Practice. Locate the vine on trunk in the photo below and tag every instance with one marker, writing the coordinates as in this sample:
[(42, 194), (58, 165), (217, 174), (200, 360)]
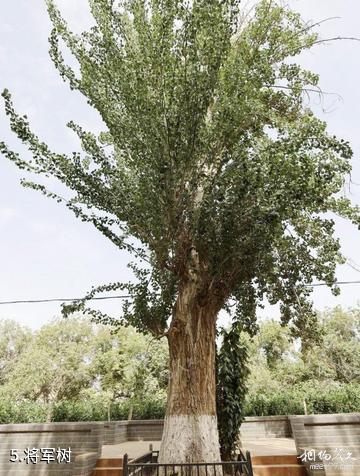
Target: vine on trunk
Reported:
[(231, 387)]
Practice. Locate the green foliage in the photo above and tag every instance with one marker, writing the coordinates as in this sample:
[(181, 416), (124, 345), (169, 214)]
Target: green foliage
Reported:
[(80, 411), (78, 361), (281, 402), (55, 365), (151, 407), (13, 341), (210, 166), (21, 412), (146, 408), (326, 374), (129, 373), (343, 398), (231, 387), (128, 364), (340, 352), (274, 340)]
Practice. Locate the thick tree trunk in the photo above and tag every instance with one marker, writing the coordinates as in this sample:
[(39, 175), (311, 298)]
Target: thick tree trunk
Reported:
[(190, 430)]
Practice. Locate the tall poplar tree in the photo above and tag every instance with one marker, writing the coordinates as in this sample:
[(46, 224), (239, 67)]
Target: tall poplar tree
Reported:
[(211, 170)]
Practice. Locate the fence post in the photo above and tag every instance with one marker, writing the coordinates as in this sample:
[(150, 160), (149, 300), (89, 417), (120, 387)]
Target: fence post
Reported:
[(125, 465), (305, 407), (249, 463), (239, 458)]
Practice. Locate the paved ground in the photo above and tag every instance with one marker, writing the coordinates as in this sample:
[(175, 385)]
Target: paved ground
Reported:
[(132, 448), (258, 447), (269, 446)]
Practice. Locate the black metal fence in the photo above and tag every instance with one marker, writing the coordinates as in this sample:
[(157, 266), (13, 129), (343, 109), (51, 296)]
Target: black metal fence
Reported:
[(147, 465)]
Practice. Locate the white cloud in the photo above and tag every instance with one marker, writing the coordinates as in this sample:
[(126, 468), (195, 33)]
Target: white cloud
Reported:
[(6, 214), (6, 28)]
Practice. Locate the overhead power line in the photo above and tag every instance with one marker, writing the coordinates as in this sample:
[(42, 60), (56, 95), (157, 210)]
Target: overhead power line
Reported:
[(127, 296), (314, 285), (35, 301)]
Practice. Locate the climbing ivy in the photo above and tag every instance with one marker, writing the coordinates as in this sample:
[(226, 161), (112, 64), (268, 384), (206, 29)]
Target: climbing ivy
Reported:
[(231, 371)]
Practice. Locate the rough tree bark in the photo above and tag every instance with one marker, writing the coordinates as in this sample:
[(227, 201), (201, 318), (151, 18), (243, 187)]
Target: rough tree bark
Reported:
[(190, 429)]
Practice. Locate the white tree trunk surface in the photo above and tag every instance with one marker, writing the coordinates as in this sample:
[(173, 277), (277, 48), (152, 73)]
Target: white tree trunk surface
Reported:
[(190, 439)]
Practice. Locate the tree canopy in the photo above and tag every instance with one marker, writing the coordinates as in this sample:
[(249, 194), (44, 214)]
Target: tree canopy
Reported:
[(210, 167)]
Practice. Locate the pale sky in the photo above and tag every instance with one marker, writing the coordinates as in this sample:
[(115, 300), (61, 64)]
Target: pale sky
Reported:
[(45, 251)]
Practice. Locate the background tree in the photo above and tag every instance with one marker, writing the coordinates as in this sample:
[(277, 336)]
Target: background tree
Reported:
[(13, 341), (75, 359), (274, 341), (210, 170), (129, 365), (337, 357), (128, 370), (55, 365), (333, 361)]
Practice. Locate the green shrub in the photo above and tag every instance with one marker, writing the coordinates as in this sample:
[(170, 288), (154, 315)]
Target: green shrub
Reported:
[(343, 399), (79, 411), (319, 398), (23, 412), (284, 403)]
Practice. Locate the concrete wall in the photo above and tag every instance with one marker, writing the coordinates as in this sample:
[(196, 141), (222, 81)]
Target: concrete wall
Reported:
[(338, 435), (252, 427), (145, 430), (265, 427), (84, 439), (115, 432)]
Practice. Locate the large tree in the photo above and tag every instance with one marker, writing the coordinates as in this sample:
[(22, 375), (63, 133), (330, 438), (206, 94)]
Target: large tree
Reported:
[(211, 171)]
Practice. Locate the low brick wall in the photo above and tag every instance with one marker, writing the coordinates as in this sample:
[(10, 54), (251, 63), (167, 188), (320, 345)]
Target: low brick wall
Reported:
[(84, 440)]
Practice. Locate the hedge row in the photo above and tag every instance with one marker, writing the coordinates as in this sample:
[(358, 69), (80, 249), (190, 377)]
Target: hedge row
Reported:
[(30, 412), (318, 399), (342, 399)]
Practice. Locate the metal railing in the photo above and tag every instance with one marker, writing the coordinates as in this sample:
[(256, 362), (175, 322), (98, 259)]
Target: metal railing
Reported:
[(147, 465), (247, 459)]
